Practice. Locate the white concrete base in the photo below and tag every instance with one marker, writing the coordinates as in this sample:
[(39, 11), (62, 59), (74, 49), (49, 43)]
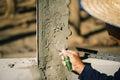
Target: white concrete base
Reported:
[(104, 66), (15, 74), (19, 69), (26, 68)]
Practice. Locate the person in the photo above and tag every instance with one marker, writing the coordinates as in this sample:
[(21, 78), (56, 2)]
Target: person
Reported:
[(107, 11), (86, 72)]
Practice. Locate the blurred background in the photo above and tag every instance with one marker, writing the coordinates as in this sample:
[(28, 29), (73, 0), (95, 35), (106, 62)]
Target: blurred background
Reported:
[(17, 28), (93, 35), (18, 31)]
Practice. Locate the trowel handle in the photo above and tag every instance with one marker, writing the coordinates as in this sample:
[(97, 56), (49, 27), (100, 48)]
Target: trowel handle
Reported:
[(68, 63)]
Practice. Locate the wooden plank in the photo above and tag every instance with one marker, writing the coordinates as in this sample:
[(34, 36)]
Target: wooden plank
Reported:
[(17, 19), (18, 55), (17, 31), (18, 3)]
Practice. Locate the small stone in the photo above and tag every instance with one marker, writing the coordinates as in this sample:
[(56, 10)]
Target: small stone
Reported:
[(11, 65)]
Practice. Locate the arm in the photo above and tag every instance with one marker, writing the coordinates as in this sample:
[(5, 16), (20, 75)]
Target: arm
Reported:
[(86, 72), (89, 73)]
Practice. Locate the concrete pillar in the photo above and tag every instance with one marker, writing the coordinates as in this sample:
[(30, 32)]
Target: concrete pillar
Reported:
[(52, 32)]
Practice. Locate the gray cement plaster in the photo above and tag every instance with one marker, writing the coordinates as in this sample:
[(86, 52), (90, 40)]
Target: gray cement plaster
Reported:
[(52, 38)]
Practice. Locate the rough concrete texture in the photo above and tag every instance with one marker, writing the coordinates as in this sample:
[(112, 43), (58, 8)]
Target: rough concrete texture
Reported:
[(19, 69), (52, 34)]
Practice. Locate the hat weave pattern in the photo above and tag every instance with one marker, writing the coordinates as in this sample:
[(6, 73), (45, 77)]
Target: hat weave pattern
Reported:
[(105, 10)]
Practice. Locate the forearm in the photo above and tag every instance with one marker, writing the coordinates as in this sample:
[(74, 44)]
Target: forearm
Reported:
[(90, 74)]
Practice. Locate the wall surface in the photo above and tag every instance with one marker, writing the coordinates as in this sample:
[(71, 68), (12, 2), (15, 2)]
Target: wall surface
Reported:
[(52, 34)]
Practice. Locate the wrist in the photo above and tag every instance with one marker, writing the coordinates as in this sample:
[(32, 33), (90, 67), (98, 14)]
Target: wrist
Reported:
[(80, 68)]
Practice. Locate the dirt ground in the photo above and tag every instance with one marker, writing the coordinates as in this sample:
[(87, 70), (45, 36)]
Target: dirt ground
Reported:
[(18, 30)]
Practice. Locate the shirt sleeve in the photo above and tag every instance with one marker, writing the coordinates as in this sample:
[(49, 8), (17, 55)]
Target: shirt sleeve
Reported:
[(89, 73)]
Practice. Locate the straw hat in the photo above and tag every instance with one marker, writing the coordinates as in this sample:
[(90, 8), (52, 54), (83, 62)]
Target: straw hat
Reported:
[(105, 10)]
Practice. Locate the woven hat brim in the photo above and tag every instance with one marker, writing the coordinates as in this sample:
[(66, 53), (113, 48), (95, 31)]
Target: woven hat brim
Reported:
[(105, 10)]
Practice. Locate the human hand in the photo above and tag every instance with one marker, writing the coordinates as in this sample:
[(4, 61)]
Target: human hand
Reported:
[(77, 64)]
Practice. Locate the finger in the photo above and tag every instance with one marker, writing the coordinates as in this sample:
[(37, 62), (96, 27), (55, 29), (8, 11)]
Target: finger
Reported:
[(62, 57), (66, 53), (60, 54), (63, 62), (73, 52)]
